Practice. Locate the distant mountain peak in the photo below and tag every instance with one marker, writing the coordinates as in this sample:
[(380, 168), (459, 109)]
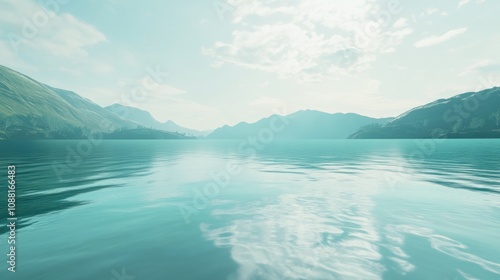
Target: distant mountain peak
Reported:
[(303, 124), (145, 119)]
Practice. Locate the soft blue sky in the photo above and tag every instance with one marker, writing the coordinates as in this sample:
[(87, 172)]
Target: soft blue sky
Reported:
[(241, 60)]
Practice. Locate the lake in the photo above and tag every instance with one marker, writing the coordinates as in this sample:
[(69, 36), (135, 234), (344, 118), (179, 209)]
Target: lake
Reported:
[(199, 209)]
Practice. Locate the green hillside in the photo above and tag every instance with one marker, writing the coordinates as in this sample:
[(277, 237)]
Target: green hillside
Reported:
[(32, 110), (467, 115)]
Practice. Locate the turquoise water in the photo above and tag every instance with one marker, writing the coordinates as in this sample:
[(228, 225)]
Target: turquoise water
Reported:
[(343, 209)]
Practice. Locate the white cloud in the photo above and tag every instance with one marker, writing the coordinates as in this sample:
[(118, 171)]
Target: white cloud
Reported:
[(471, 68), (482, 67), (68, 37), (400, 23), (462, 3), (432, 11), (8, 13), (315, 39), (50, 31), (434, 40), (465, 2)]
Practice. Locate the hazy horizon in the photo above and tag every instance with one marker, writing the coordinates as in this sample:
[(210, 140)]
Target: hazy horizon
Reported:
[(282, 113), (225, 62)]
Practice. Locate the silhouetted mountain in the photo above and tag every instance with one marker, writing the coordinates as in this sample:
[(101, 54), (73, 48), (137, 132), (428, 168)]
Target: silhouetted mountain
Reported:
[(307, 124), (145, 119), (467, 115)]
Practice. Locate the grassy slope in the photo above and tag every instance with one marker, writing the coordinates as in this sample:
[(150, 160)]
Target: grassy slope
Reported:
[(21, 95), (31, 109), (467, 115)]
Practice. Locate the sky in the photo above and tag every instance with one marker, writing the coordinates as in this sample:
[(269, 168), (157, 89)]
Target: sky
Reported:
[(206, 63)]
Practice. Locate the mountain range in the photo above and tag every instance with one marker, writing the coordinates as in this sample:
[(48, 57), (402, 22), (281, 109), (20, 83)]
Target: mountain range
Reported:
[(32, 110), (305, 124), (145, 119)]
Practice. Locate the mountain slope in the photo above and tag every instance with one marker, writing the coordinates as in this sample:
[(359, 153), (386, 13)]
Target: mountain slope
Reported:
[(467, 115), (145, 119), (30, 109), (306, 124)]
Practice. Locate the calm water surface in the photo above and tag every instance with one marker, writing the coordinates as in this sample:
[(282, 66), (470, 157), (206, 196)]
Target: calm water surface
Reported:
[(358, 209)]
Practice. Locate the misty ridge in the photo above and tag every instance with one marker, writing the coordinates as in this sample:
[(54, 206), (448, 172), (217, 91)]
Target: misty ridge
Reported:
[(32, 110)]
